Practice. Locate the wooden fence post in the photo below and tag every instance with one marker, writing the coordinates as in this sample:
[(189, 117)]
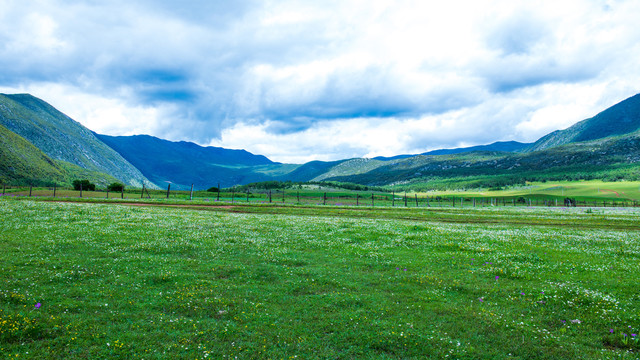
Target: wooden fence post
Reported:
[(107, 193), (393, 198), (405, 199), (324, 199), (191, 194), (122, 192), (298, 195), (168, 190), (218, 199), (416, 200), (269, 196), (31, 187), (54, 190), (357, 199), (80, 190), (142, 193)]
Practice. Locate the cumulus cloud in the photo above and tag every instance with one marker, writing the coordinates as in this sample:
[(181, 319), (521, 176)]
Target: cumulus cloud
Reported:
[(324, 80)]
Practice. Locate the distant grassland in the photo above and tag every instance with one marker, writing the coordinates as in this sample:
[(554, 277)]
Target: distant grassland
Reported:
[(593, 189), (621, 193), (116, 281)]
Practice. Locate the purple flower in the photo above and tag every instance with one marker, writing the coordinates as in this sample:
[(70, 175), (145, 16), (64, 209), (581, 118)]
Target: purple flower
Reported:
[(563, 321), (521, 293), (611, 331), (481, 299), (38, 305), (497, 277), (397, 268), (404, 269), (634, 335)]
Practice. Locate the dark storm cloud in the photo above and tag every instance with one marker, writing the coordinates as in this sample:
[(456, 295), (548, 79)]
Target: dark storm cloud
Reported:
[(197, 69)]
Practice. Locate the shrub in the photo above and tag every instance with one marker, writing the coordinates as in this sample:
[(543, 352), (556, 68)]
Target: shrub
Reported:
[(84, 185), (115, 187)]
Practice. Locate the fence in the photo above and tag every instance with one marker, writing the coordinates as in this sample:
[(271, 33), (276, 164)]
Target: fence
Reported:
[(335, 198)]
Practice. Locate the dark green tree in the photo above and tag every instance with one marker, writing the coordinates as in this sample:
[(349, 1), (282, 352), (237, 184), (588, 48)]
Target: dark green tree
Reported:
[(85, 185)]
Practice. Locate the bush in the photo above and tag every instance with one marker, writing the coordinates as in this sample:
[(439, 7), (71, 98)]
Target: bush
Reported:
[(115, 187), (213, 189), (84, 185)]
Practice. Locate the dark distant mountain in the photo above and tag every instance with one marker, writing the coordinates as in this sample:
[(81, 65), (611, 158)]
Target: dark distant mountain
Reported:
[(610, 158), (505, 146), (620, 119), (41, 144), (184, 163), (62, 138)]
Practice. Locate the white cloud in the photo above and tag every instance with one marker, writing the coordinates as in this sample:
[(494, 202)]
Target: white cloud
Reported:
[(324, 80)]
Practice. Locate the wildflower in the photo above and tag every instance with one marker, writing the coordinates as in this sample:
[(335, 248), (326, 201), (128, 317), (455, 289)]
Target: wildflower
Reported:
[(634, 335), (497, 277), (481, 299), (522, 293), (611, 331), (576, 321), (38, 306)]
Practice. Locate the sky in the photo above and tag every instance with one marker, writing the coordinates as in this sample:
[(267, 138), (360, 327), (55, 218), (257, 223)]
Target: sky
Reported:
[(323, 80)]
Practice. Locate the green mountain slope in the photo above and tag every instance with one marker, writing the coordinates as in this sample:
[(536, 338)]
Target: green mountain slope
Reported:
[(61, 138), (506, 146), (622, 118), (21, 163), (185, 163), (611, 158)]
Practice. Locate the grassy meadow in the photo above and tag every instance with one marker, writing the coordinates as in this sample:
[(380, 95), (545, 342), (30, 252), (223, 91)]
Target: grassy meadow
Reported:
[(260, 281), (587, 193)]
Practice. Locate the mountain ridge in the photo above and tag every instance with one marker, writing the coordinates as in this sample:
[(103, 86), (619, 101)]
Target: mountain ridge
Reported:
[(619, 119), (62, 138), (595, 145)]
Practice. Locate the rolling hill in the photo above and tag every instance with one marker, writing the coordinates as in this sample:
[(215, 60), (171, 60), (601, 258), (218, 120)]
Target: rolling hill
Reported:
[(61, 138), (506, 146), (184, 163), (606, 146), (21, 163), (620, 119)]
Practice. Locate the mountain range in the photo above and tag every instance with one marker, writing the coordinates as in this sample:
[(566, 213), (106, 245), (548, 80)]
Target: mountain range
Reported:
[(41, 145)]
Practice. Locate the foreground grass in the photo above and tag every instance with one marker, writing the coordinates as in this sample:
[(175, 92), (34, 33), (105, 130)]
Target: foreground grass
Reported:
[(151, 282)]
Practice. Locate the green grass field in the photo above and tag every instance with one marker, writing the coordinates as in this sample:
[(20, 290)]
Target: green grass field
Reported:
[(580, 189), (588, 193), (90, 280)]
